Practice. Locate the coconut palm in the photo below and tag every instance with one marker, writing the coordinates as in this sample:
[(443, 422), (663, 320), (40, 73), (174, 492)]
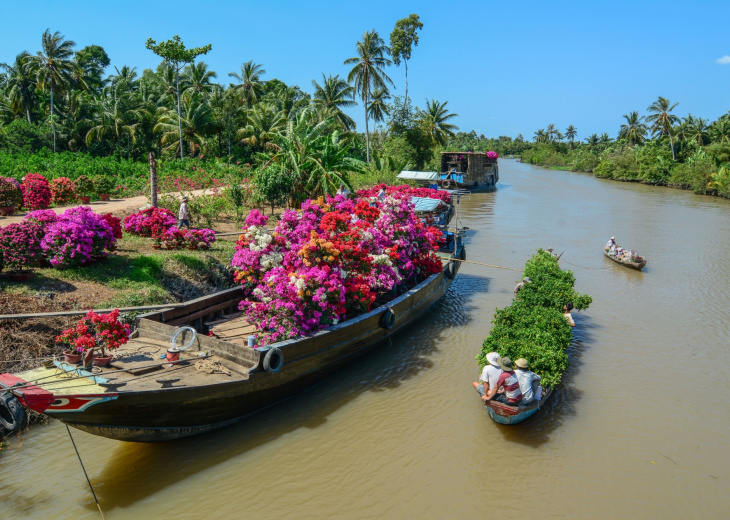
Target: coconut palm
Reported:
[(570, 134), (111, 118), (332, 95), (592, 140), (434, 122), (198, 77), (661, 120), (698, 131), (368, 72), (125, 79), (21, 82), (251, 85), (551, 132), (540, 136), (634, 130), (720, 130), (54, 67), (195, 120), (378, 107), (605, 139), (265, 124)]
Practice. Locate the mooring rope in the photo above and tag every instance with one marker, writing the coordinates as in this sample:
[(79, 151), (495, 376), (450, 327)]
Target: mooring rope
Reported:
[(583, 267), (85, 474), (486, 265)]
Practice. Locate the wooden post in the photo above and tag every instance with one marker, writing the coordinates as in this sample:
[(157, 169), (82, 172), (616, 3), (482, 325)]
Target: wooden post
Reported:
[(153, 179)]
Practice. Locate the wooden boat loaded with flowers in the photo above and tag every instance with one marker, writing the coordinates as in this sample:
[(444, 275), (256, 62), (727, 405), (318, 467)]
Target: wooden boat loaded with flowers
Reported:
[(629, 259), (332, 282)]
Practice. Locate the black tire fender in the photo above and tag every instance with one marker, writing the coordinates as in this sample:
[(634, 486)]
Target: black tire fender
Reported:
[(446, 183), (451, 269), (388, 319), (273, 360), (12, 413)]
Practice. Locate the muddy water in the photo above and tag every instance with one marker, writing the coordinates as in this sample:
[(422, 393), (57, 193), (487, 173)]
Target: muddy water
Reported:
[(638, 429)]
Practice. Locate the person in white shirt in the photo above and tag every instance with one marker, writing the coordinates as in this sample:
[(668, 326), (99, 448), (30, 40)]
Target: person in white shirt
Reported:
[(529, 382), (343, 191), (381, 194), (569, 317), (490, 375), (611, 243), (183, 216)]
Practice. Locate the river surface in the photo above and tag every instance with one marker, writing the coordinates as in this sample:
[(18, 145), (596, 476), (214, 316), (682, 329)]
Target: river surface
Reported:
[(638, 429)]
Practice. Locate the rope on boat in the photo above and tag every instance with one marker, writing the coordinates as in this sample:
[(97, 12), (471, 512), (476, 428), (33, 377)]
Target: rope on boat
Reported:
[(486, 265), (583, 267), (85, 474)]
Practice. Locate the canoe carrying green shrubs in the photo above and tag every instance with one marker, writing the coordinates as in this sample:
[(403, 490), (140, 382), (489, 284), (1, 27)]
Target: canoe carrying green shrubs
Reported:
[(533, 327)]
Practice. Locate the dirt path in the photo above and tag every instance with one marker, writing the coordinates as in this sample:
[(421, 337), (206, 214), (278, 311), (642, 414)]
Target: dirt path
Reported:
[(111, 206)]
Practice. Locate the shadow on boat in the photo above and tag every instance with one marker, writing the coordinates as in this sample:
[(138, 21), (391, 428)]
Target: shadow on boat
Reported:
[(135, 471), (562, 405)]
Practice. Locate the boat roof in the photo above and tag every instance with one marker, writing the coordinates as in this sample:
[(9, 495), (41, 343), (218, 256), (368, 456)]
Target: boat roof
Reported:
[(424, 204), (418, 176)]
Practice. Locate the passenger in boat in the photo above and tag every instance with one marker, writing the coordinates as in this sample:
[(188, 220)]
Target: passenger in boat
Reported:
[(529, 382), (343, 191), (611, 243), (520, 285), (490, 376), (507, 390), (567, 308)]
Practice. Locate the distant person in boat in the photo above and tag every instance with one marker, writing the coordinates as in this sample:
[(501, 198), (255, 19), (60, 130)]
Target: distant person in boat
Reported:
[(507, 390), (343, 191), (490, 376), (183, 216), (567, 308), (520, 285), (529, 382), (611, 243)]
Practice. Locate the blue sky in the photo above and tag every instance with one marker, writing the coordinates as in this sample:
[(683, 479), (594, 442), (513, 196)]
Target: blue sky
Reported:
[(505, 67)]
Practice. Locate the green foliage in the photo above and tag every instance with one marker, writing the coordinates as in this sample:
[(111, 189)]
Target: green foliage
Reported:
[(533, 326), (274, 185), (103, 184), (174, 50), (84, 186), (20, 136)]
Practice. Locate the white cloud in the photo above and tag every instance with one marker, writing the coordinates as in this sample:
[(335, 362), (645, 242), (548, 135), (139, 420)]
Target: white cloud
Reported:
[(724, 60)]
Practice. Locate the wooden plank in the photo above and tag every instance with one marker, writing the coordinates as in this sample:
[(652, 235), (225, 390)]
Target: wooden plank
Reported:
[(207, 311), (225, 319), (229, 295), (81, 313)]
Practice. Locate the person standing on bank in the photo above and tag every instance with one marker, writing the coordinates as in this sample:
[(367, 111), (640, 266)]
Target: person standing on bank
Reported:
[(183, 216)]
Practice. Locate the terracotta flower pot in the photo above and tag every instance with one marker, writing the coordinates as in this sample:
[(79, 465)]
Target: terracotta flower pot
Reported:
[(85, 200), (156, 246), (7, 210), (20, 276), (71, 356), (102, 361), (192, 248), (104, 196)]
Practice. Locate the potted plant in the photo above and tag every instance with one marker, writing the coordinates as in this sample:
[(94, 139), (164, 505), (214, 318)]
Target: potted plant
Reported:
[(84, 188), (20, 245), (157, 241), (95, 333), (103, 186), (10, 197)]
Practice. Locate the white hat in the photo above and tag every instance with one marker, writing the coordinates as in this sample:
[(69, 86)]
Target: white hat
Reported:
[(492, 358), (612, 238)]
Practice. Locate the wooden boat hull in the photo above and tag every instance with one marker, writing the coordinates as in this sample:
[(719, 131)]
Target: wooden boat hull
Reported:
[(625, 263), (167, 413), (506, 414)]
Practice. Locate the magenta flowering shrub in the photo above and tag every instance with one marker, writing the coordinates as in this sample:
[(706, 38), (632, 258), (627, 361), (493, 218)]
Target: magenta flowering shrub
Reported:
[(20, 245), (202, 238), (36, 191), (329, 261), (43, 217), (151, 221), (103, 235), (492, 156), (63, 191), (406, 191)]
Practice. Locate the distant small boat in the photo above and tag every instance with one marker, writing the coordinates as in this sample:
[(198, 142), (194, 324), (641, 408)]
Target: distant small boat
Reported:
[(507, 414), (633, 261)]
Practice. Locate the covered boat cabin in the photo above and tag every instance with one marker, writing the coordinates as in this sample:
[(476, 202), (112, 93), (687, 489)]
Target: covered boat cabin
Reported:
[(468, 170)]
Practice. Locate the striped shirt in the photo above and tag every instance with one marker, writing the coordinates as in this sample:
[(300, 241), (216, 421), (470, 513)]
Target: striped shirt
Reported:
[(511, 386)]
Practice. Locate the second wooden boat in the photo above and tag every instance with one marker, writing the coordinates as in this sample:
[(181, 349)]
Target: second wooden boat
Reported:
[(626, 259)]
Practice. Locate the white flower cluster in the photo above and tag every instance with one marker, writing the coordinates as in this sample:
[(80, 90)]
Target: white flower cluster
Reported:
[(260, 241), (271, 260), (382, 260), (297, 282)]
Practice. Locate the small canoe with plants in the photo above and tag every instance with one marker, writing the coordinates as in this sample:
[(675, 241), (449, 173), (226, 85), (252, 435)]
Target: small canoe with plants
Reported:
[(534, 327), (320, 291), (629, 259)]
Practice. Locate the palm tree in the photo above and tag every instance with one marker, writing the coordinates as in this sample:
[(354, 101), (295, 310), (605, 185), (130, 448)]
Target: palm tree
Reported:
[(699, 131), (661, 120), (592, 140), (570, 134), (368, 72), (265, 124), (54, 67), (194, 121), (634, 130), (605, 139), (434, 122), (126, 78), (332, 95), (21, 82), (198, 77), (540, 136), (111, 119), (551, 132), (720, 130), (251, 86), (378, 107)]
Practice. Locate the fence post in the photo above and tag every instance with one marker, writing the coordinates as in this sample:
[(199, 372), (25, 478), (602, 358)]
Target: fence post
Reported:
[(153, 179)]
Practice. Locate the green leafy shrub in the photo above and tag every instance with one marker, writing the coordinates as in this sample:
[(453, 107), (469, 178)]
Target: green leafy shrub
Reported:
[(103, 184), (274, 185), (533, 327), (84, 186), (9, 193)]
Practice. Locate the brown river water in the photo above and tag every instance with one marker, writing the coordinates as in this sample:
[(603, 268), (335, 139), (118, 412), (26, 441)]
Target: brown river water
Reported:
[(638, 429)]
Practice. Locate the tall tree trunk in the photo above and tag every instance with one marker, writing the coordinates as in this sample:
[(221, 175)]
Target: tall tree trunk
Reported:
[(153, 179), (179, 122), (367, 131), (671, 143), (406, 64), (27, 111), (53, 121)]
